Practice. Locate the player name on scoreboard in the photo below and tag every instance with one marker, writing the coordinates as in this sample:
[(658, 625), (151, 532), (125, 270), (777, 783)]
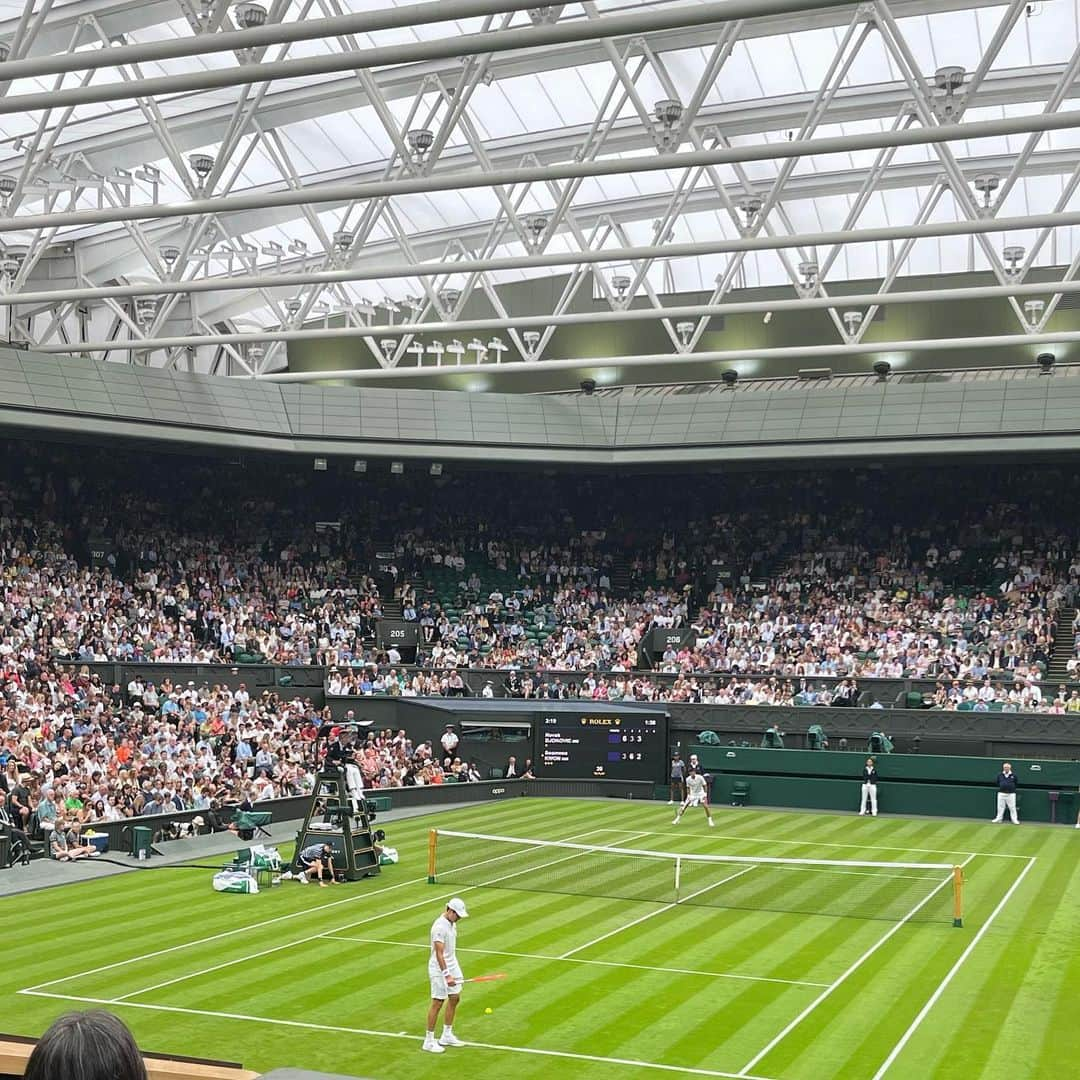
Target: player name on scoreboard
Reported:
[(604, 746)]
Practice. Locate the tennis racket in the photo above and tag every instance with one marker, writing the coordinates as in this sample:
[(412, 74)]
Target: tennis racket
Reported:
[(486, 978)]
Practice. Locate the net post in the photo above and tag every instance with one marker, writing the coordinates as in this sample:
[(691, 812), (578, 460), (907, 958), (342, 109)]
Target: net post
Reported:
[(678, 876), (958, 896), (433, 844)]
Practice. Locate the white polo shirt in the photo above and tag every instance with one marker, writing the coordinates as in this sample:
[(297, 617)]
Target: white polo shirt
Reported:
[(443, 930)]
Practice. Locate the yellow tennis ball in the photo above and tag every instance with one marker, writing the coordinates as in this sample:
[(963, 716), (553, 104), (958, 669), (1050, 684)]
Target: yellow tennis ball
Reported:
[(488, 1009)]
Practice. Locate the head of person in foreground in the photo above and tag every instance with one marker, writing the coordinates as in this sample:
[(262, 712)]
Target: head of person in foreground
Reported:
[(86, 1046)]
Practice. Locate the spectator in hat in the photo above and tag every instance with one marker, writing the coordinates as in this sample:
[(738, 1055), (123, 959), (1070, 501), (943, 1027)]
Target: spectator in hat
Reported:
[(449, 740)]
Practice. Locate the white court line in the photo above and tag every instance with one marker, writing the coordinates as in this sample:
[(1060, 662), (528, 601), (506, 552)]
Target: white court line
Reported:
[(652, 914), (894, 1053), (847, 974), (270, 922), (565, 1054), (814, 843), (580, 960), (348, 926)]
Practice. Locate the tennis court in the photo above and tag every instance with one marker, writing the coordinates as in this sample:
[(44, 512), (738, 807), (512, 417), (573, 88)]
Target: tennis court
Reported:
[(749, 969)]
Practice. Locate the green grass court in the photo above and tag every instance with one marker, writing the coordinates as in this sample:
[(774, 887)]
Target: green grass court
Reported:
[(596, 987)]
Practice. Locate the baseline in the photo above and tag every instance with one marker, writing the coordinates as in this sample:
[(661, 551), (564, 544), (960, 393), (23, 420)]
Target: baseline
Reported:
[(310, 1026), (580, 960), (933, 1000), (812, 843)]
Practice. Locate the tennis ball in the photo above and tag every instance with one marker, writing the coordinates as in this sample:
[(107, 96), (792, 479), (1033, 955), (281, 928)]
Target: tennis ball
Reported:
[(487, 1010)]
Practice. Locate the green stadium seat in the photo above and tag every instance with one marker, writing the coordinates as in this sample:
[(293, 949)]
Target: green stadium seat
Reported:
[(740, 792)]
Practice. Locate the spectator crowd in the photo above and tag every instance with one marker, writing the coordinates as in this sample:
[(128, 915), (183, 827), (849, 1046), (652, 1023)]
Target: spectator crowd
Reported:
[(551, 585)]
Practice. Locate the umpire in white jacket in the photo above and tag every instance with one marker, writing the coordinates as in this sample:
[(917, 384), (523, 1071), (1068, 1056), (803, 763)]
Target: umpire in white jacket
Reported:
[(868, 802)]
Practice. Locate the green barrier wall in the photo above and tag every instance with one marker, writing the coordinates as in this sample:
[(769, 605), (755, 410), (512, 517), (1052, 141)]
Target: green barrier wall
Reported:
[(910, 783)]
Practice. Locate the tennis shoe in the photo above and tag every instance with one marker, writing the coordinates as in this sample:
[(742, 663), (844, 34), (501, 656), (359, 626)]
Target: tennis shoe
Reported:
[(432, 1047), (712, 824), (675, 821), (449, 1039)]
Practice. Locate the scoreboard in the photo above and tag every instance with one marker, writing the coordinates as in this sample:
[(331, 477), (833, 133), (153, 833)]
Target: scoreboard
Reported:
[(628, 745)]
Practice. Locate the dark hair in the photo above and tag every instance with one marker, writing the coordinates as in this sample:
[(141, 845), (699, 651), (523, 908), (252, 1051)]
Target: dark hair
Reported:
[(86, 1046)]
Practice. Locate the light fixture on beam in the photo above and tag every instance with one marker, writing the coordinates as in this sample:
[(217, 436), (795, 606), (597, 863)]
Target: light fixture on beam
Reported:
[(668, 112), (685, 330), (420, 141), (388, 345), (319, 464), (169, 254), (343, 240), (7, 189), (749, 206), (436, 468), (948, 80), (621, 284), (1013, 255), (882, 369), (359, 466), (1033, 310), (808, 276), (293, 305), (852, 320), (1046, 362), (449, 298), (986, 184), (249, 16), (531, 339), (202, 165)]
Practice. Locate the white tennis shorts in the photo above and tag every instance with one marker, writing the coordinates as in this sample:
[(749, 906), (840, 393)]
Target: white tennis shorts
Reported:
[(439, 990), (696, 800)]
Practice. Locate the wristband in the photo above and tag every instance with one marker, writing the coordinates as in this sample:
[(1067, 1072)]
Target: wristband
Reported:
[(446, 974)]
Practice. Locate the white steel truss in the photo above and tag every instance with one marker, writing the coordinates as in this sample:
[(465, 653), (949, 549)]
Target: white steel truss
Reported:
[(169, 197)]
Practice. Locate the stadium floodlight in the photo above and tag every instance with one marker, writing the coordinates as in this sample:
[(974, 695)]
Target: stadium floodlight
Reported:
[(293, 305), (621, 284), (1033, 309), (343, 239), (531, 339), (588, 387), (852, 320), (685, 330), (750, 206), (668, 112), (7, 189), (1013, 254), (986, 184), (536, 224), (1046, 361), (420, 141), (201, 165), (882, 369), (730, 377), (169, 254), (250, 16), (450, 297)]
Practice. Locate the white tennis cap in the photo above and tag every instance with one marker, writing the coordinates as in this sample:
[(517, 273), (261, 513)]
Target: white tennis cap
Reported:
[(457, 905)]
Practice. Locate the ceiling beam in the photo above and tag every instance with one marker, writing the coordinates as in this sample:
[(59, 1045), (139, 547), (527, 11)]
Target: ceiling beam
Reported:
[(589, 318), (462, 181), (643, 20)]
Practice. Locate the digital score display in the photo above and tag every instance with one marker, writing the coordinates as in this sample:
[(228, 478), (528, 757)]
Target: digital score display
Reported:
[(603, 747)]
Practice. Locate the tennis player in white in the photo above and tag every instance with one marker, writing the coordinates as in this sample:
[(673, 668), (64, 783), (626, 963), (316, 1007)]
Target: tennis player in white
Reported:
[(697, 794), (446, 978)]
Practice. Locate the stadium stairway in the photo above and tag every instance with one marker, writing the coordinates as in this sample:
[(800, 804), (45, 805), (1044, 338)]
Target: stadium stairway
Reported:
[(1064, 636)]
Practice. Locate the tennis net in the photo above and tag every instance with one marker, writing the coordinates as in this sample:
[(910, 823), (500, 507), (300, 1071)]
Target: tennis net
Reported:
[(839, 888)]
